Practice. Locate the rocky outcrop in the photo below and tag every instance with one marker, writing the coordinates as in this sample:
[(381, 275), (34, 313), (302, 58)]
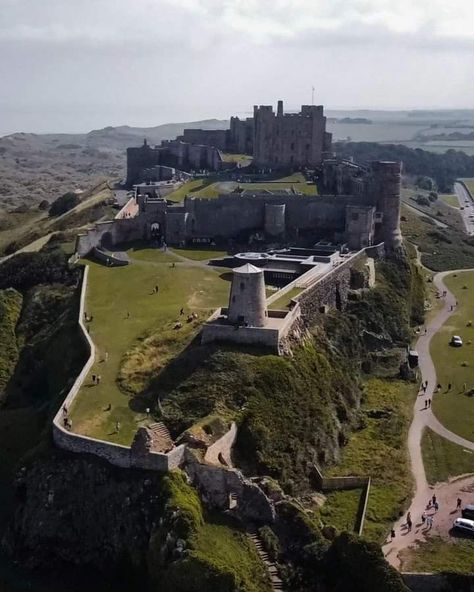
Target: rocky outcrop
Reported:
[(78, 511)]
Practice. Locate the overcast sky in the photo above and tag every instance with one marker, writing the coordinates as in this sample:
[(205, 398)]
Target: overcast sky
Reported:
[(75, 65)]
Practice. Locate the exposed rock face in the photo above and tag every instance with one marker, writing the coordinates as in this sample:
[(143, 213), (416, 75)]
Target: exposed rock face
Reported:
[(77, 511)]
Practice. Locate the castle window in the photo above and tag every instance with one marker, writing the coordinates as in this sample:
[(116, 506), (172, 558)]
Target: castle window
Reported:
[(354, 216), (292, 145)]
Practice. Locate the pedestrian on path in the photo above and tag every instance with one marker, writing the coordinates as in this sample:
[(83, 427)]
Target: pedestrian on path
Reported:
[(433, 499), (464, 387), (438, 388), (449, 386), (117, 427), (458, 504), (426, 403), (392, 534), (423, 518), (106, 357), (98, 379), (93, 378), (423, 386), (429, 402), (436, 506), (429, 521)]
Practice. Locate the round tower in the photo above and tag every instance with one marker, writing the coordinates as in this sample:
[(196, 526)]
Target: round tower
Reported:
[(247, 302), (386, 184), (275, 219)]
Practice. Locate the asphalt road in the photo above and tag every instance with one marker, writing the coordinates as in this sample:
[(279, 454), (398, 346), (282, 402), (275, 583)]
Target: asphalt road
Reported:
[(466, 202)]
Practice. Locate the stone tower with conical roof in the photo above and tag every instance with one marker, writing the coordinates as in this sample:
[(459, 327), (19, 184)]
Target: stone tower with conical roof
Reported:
[(247, 302)]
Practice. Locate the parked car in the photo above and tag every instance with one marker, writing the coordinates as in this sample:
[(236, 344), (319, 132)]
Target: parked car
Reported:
[(468, 512), (456, 341), (464, 524)]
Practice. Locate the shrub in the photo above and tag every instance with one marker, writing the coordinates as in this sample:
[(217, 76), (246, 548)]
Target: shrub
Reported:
[(63, 204)]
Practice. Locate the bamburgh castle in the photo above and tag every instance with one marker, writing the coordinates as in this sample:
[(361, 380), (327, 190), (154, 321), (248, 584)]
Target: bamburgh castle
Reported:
[(357, 206), (275, 140)]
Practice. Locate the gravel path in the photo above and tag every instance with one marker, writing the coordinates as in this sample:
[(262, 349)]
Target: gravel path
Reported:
[(422, 418)]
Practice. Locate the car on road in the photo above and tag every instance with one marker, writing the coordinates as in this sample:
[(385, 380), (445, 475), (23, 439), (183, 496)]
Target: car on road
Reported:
[(464, 524), (456, 341), (468, 511)]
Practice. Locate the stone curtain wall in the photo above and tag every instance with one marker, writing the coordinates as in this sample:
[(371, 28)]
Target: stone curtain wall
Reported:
[(331, 290), (116, 454), (118, 230)]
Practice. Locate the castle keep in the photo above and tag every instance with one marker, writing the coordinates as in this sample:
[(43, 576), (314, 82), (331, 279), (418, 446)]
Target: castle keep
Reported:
[(275, 140)]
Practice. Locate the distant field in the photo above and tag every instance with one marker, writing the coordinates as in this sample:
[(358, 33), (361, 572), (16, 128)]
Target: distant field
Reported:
[(470, 185)]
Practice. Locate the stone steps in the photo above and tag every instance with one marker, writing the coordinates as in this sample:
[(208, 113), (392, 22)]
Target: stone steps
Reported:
[(272, 570), (160, 428)]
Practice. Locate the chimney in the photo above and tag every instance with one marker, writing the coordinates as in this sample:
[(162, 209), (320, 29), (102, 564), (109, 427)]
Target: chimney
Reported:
[(280, 109)]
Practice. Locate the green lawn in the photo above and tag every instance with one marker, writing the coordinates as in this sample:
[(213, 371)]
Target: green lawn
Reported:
[(379, 450), (284, 301), (450, 199), (200, 253), (145, 341), (443, 459), (341, 508), (455, 409), (437, 555)]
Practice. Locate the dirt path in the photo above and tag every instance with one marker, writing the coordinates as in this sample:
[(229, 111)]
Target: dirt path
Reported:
[(422, 418)]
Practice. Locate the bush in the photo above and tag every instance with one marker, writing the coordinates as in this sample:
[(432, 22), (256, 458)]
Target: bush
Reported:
[(63, 204)]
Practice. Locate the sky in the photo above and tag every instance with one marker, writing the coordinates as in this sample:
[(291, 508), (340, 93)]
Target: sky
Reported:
[(76, 65)]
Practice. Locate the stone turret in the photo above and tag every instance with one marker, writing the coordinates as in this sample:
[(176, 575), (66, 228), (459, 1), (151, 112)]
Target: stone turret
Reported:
[(385, 191), (247, 302)]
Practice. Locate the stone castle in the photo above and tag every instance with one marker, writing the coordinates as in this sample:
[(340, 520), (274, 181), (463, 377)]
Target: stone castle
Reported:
[(358, 206), (274, 140)]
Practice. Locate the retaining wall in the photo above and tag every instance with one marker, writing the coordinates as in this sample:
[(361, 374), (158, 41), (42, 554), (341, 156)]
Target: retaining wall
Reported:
[(222, 446)]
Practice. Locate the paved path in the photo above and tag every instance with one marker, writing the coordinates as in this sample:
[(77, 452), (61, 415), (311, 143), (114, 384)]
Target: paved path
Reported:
[(424, 418)]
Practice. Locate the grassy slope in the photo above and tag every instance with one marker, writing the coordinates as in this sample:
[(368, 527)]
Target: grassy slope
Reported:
[(379, 450), (221, 557), (455, 409), (443, 459), (450, 199), (440, 249), (436, 555), (10, 308), (112, 292)]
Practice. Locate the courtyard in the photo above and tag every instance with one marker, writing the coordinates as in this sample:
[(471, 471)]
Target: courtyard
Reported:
[(133, 328)]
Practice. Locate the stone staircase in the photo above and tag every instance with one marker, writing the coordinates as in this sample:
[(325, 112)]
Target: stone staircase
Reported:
[(162, 440), (275, 580)]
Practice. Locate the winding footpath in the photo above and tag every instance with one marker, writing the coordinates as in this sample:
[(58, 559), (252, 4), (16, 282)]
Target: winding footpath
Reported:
[(423, 418)]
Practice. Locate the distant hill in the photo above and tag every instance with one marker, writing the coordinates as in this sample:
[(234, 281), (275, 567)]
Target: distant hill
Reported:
[(34, 167)]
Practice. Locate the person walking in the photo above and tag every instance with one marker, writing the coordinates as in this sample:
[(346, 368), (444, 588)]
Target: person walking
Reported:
[(392, 534), (106, 357), (98, 379), (423, 518), (449, 386), (429, 402), (458, 504), (436, 506), (433, 499), (93, 378), (117, 427)]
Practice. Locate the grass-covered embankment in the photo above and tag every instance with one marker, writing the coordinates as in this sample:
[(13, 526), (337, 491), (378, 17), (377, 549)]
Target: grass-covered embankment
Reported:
[(444, 459), (455, 365), (219, 556), (10, 308)]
